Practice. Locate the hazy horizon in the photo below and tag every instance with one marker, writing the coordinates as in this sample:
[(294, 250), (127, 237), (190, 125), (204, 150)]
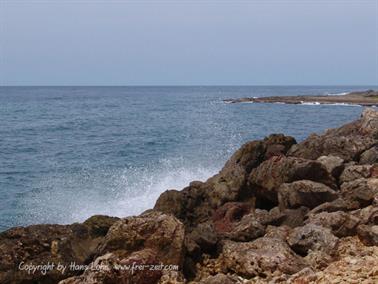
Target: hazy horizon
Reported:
[(239, 43)]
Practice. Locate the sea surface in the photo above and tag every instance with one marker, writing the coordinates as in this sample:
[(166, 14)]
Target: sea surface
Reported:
[(67, 153)]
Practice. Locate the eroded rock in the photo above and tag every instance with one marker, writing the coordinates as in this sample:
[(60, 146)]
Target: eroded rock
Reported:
[(304, 193)]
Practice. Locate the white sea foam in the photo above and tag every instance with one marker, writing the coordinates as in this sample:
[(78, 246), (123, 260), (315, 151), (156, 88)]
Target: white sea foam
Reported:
[(310, 103), (68, 198), (338, 94), (329, 104)]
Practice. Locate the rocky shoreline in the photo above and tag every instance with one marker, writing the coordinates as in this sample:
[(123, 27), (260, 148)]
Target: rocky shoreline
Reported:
[(368, 98), (278, 212)]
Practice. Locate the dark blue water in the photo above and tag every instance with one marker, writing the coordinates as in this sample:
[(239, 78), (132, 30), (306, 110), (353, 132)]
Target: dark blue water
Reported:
[(67, 153)]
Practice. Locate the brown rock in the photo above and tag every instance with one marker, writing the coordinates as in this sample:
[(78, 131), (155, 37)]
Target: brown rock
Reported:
[(362, 191), (120, 268), (304, 193), (262, 257), (281, 232), (42, 245), (228, 185), (341, 224), (312, 237), (287, 217), (162, 233), (370, 156), (355, 263), (190, 205), (204, 236), (226, 217), (368, 234), (219, 278), (265, 180), (338, 204), (346, 142), (352, 173), (249, 228), (367, 215), (99, 224), (333, 164)]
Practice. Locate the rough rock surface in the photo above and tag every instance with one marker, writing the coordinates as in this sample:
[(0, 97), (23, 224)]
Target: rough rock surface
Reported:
[(22, 247), (278, 212), (347, 142), (304, 193)]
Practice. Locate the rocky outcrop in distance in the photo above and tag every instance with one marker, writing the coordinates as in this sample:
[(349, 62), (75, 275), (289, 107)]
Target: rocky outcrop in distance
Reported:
[(278, 212), (367, 98)]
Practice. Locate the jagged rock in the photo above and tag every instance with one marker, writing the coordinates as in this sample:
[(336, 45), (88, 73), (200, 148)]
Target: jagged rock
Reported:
[(204, 236), (219, 278), (281, 232), (99, 224), (367, 215), (131, 246), (333, 164), (370, 156), (312, 237), (226, 216), (352, 173), (368, 234), (304, 193), (249, 228), (318, 259), (265, 180), (304, 276), (287, 217), (262, 257), (339, 204), (171, 202), (43, 244), (369, 122), (346, 142), (355, 263), (231, 180), (237, 222), (162, 233), (341, 224), (119, 267), (362, 191), (172, 277), (189, 205)]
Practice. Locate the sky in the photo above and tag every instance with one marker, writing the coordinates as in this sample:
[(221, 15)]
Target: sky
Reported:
[(302, 42)]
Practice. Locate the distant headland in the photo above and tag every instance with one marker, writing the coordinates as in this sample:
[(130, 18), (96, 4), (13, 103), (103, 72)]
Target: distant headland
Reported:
[(363, 98)]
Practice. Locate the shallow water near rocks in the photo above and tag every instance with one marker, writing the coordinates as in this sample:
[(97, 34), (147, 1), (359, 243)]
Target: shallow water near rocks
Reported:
[(67, 153)]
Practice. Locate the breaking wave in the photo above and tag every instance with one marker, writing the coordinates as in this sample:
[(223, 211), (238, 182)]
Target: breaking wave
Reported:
[(67, 198)]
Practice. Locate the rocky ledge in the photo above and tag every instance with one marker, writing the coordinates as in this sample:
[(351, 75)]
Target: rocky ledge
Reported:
[(278, 212), (366, 98)]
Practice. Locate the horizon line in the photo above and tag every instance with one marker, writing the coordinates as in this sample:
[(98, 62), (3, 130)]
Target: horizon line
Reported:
[(204, 85)]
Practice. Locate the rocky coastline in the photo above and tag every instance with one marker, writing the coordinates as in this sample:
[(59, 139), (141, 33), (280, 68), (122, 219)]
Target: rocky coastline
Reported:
[(278, 212), (366, 98)]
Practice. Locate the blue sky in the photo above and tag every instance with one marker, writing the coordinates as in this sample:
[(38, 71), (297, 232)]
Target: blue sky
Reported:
[(189, 42)]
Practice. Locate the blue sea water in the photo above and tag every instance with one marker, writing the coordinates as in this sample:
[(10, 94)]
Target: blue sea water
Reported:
[(67, 153)]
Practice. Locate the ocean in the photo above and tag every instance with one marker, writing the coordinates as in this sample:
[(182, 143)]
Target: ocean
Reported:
[(67, 153)]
